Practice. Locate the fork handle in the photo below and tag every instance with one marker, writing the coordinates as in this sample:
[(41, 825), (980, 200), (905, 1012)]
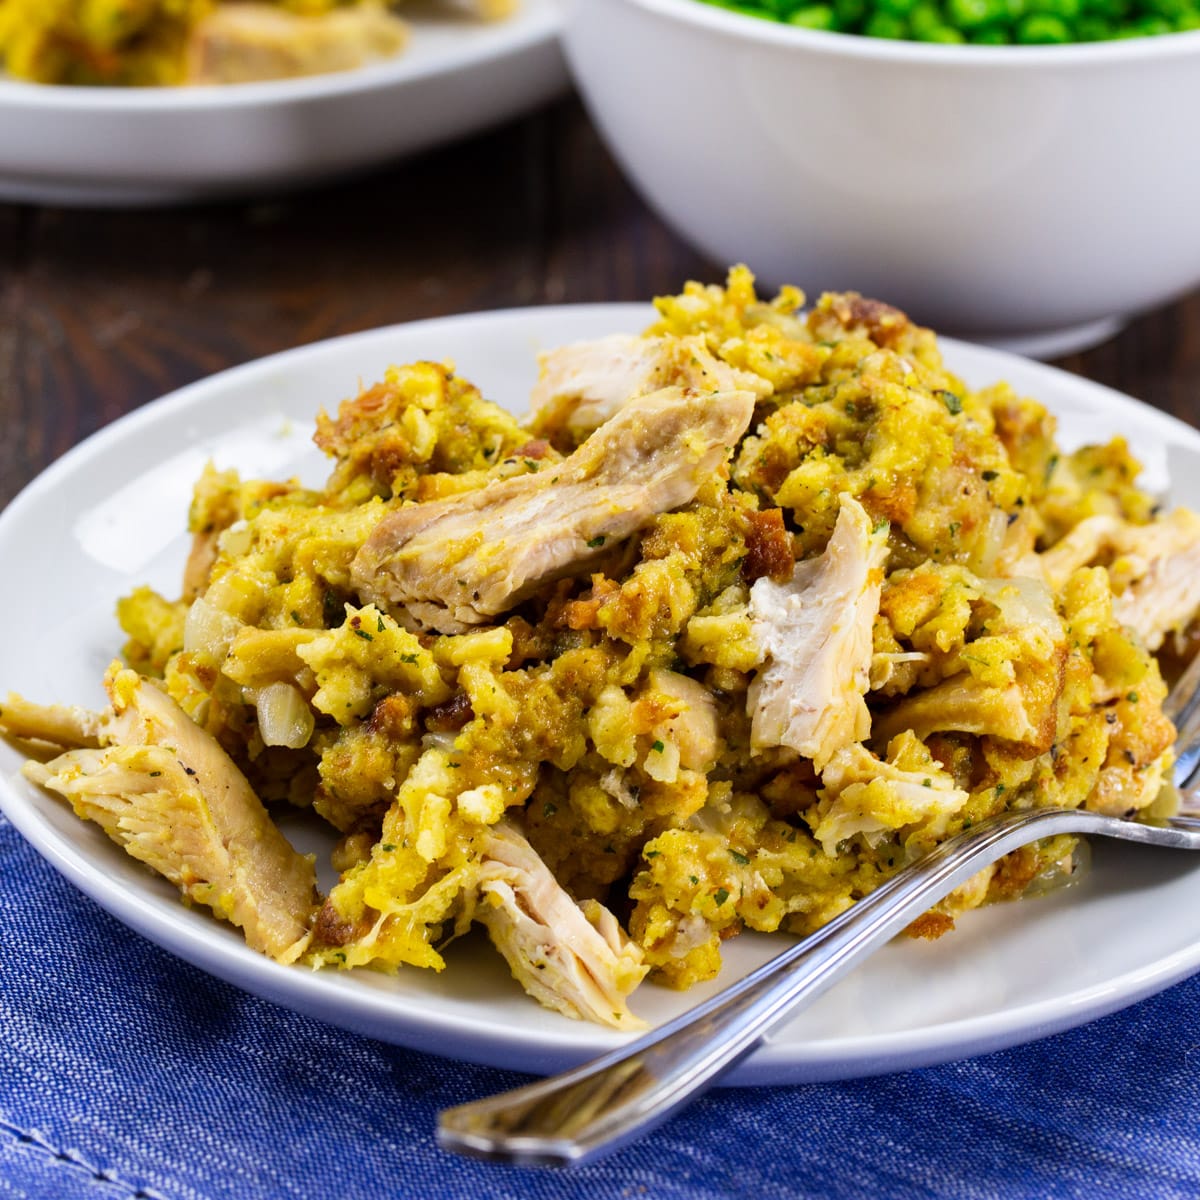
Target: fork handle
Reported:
[(600, 1106)]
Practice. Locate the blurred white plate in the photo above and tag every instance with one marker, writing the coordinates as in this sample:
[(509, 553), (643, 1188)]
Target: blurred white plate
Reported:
[(73, 145), (111, 514)]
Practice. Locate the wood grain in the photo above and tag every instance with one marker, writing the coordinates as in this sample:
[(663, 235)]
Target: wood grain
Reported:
[(103, 311)]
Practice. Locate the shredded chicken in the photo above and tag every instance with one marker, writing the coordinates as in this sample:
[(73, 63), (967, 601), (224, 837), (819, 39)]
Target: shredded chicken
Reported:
[(815, 635), (1162, 562), (240, 43), (165, 791), (586, 383), (454, 563), (571, 959), (691, 724), (1081, 546), (1155, 568), (65, 725)]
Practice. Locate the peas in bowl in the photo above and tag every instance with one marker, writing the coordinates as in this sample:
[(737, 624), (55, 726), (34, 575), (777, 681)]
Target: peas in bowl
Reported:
[(980, 22)]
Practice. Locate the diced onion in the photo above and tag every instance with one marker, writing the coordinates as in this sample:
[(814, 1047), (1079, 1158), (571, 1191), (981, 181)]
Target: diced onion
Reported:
[(614, 783), (1024, 603), (284, 717), (209, 629), (689, 933), (662, 760), (237, 539), (1063, 873), (992, 542)]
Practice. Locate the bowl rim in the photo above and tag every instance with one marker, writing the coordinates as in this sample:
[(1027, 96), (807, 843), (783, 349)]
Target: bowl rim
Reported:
[(760, 31)]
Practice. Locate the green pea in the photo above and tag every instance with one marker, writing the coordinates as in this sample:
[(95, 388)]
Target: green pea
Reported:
[(886, 25), (925, 18), (1149, 26), (895, 8), (814, 16), (944, 35), (969, 14), (1065, 10), (1093, 29), (849, 13), (991, 35), (1041, 29), (1113, 10)]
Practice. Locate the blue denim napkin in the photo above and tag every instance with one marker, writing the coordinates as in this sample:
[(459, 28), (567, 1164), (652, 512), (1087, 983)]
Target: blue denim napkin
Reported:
[(127, 1075)]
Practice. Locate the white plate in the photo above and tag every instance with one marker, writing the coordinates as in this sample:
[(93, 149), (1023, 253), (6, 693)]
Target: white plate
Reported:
[(110, 515), (161, 145)]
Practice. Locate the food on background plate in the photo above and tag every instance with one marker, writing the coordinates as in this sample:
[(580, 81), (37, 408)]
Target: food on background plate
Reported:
[(165, 42), (755, 609), (980, 22)]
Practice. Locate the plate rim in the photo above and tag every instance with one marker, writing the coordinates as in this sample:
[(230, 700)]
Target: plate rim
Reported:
[(183, 932)]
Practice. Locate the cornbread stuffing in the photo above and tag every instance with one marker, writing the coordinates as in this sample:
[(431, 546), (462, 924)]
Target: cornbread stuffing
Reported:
[(755, 610), (166, 42)]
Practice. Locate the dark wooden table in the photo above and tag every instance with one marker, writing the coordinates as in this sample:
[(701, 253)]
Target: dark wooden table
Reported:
[(103, 311)]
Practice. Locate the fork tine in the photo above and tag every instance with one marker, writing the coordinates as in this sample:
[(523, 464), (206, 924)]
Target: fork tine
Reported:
[(1181, 707)]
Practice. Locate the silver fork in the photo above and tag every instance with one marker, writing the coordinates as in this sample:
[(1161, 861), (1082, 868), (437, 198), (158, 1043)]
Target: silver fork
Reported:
[(596, 1108)]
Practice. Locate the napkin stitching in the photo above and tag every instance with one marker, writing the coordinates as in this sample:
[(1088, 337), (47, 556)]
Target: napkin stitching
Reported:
[(36, 1140)]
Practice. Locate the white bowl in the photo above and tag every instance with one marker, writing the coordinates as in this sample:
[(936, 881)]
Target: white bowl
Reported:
[(1036, 195)]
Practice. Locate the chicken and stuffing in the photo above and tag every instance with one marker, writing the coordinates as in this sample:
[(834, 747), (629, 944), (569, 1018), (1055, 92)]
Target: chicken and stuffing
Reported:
[(167, 42), (754, 610)]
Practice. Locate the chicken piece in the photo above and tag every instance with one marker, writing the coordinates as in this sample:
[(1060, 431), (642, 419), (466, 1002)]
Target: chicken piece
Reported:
[(689, 723), (1155, 568), (1159, 564), (55, 724), (456, 562), (571, 959), (200, 562), (584, 384), (1164, 600), (1082, 545), (815, 636), (166, 792), (864, 794), (241, 43)]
